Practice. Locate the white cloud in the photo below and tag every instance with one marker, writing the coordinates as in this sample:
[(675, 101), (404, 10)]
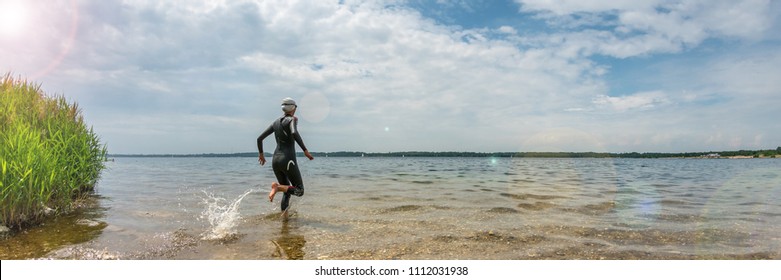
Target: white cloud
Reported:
[(152, 72), (566, 7), (507, 29), (642, 100), (631, 28)]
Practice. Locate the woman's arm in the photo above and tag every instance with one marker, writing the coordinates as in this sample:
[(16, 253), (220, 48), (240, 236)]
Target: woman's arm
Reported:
[(261, 157)]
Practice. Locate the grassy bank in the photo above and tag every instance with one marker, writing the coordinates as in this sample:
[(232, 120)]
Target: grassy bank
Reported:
[(48, 155)]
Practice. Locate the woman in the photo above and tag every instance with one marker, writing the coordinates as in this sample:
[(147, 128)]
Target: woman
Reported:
[(284, 162)]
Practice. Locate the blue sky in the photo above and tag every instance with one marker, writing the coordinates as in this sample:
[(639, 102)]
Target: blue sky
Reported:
[(378, 76)]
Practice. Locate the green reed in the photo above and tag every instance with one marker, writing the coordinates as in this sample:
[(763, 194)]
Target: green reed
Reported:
[(48, 155)]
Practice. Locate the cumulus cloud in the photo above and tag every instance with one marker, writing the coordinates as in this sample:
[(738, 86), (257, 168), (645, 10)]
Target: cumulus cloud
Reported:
[(381, 76), (631, 28)]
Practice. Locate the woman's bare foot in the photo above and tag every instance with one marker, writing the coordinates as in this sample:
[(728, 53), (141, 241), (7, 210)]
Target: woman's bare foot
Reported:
[(273, 191)]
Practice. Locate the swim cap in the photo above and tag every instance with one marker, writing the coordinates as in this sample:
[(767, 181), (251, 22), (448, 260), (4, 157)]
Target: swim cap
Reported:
[(288, 101), (288, 104)]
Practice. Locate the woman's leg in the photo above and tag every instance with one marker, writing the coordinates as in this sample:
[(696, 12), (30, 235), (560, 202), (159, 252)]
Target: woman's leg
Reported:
[(281, 184)]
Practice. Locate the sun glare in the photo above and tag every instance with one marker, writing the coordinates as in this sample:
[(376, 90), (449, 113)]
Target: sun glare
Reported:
[(13, 17)]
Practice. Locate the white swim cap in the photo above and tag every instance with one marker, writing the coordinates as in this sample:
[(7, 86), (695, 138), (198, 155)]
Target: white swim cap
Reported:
[(288, 105)]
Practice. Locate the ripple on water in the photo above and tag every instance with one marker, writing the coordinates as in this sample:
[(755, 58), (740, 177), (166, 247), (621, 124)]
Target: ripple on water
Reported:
[(525, 196), (680, 218), (423, 182), (673, 202), (599, 208), (503, 210), (402, 208), (652, 236), (536, 206)]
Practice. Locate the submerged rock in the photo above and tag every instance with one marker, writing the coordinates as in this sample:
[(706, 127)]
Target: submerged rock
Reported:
[(89, 223)]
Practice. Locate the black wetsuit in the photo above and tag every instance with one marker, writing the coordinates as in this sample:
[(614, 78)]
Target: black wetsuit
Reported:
[(284, 160)]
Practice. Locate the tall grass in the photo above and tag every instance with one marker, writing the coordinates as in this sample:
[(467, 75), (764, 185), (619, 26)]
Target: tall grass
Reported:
[(48, 156)]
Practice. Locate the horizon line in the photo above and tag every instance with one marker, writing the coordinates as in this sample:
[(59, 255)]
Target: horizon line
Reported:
[(423, 153)]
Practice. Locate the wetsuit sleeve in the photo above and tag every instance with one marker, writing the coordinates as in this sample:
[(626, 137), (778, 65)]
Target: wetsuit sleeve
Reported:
[(263, 135), (294, 129)]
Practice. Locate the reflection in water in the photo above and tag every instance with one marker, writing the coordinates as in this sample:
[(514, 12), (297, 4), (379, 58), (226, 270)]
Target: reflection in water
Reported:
[(289, 246), (82, 225)]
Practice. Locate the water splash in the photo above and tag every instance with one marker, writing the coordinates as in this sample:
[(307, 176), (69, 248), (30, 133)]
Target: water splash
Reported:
[(223, 216)]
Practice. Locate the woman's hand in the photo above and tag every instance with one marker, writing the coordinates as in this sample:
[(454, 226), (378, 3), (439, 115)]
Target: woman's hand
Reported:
[(261, 159), (308, 155)]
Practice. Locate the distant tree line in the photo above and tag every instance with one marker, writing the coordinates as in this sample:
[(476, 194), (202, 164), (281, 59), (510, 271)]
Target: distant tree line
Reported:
[(749, 153), (215, 155)]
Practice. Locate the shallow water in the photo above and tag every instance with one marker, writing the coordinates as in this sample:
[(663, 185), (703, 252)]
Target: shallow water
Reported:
[(423, 208)]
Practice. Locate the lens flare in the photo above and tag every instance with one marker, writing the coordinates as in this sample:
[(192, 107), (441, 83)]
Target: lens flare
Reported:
[(13, 17), (315, 107), (744, 213), (43, 31)]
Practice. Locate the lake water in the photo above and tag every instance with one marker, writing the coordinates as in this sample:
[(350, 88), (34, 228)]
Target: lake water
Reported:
[(423, 208)]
